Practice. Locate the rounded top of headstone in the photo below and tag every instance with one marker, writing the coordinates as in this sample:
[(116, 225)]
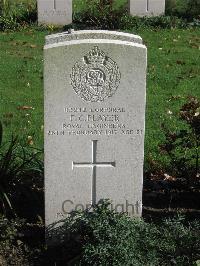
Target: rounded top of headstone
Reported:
[(91, 34)]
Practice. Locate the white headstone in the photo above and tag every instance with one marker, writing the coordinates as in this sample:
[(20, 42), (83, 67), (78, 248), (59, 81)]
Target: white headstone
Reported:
[(55, 12), (94, 121), (147, 7)]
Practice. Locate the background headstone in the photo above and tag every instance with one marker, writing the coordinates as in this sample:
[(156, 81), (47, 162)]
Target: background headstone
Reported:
[(94, 122), (56, 12), (147, 7)]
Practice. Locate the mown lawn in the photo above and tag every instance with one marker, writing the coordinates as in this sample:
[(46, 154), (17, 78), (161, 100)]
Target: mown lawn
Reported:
[(21, 85), (173, 74)]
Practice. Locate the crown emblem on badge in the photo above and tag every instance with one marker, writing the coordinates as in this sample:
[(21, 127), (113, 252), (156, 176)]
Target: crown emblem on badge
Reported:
[(95, 56), (95, 76)]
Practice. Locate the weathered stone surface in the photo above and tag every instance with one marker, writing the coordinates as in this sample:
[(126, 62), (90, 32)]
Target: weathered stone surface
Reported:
[(94, 34), (94, 123), (147, 7), (56, 12)]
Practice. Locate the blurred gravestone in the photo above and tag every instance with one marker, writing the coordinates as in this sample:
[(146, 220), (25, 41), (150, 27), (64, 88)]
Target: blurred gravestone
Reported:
[(143, 8), (95, 87), (55, 12)]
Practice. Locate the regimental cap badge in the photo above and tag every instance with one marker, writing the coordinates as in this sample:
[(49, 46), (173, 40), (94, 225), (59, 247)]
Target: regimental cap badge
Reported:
[(96, 77)]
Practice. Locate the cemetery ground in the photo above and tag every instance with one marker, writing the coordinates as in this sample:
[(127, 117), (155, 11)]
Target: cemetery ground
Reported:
[(171, 181)]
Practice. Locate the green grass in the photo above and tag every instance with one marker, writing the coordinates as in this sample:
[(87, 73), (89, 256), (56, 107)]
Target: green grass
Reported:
[(21, 84), (173, 74)]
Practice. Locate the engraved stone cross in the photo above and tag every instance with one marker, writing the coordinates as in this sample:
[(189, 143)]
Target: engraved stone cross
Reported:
[(147, 5), (54, 4), (94, 164)]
